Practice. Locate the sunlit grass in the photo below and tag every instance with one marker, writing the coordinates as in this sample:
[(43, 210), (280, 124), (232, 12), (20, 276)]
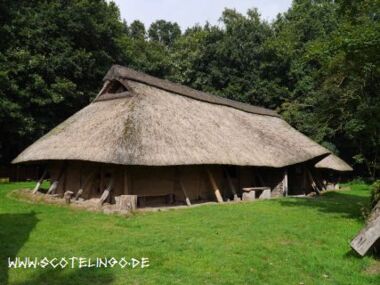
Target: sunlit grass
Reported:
[(282, 241)]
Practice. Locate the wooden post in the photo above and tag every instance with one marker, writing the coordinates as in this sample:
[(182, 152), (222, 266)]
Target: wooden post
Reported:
[(126, 202), (85, 184), (286, 183), (184, 192), (313, 184), (215, 187), (232, 187), (106, 192), (67, 196), (53, 187), (105, 85), (39, 182), (79, 193), (55, 183), (369, 234)]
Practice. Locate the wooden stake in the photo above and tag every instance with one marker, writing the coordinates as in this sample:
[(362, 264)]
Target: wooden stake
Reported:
[(39, 182), (232, 186), (313, 184), (79, 193), (184, 192), (55, 183), (85, 184), (318, 181), (67, 196), (106, 192), (369, 234), (215, 187), (286, 183), (53, 187)]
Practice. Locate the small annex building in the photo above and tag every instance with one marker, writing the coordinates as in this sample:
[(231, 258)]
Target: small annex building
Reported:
[(156, 139)]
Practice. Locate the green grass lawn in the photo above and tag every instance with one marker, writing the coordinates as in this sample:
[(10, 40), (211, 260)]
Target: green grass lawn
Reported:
[(282, 241)]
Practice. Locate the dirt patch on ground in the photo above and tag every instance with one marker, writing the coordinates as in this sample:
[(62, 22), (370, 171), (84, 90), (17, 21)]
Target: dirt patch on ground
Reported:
[(90, 204), (373, 269)]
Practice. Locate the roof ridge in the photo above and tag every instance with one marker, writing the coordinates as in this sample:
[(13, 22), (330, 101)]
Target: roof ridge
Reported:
[(121, 72)]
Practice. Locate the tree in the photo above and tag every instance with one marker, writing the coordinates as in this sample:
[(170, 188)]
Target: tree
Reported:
[(349, 79), (53, 55), (164, 32), (227, 61), (137, 30)]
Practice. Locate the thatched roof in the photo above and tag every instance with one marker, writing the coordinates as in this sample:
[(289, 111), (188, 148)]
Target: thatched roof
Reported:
[(160, 123), (122, 73), (333, 162)]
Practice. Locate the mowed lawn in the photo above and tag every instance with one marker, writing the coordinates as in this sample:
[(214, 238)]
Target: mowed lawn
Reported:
[(281, 241)]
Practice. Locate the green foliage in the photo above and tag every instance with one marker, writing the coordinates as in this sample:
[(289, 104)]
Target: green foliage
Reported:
[(164, 32), (53, 56), (347, 80), (375, 194), (137, 30)]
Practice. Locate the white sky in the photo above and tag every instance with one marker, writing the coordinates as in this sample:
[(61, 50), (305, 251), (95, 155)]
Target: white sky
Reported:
[(189, 12)]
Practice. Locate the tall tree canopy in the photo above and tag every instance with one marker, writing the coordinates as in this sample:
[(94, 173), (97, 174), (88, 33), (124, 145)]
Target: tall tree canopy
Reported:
[(53, 55), (164, 32), (317, 64)]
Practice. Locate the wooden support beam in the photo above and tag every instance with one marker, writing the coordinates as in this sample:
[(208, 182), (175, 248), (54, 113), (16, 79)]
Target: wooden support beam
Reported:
[(39, 182), (215, 187), (79, 193), (85, 184), (319, 181), (231, 185), (285, 185), (67, 196), (184, 192), (53, 187), (368, 236), (313, 184), (106, 192)]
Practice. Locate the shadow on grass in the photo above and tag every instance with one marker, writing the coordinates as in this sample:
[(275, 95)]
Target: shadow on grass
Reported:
[(345, 204), (70, 277), (14, 232)]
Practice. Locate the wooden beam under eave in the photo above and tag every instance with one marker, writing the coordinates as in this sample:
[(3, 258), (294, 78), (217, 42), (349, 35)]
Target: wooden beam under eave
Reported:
[(218, 196), (231, 184), (188, 203), (286, 183), (313, 184), (39, 182)]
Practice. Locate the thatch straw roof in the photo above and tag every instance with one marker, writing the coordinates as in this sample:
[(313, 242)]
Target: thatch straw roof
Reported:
[(159, 123), (333, 162)]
